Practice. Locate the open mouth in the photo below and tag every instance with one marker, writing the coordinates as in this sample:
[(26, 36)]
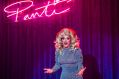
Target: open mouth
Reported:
[(65, 43)]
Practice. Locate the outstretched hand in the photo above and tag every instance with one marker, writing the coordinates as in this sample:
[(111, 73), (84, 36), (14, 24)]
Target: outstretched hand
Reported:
[(80, 73), (48, 70)]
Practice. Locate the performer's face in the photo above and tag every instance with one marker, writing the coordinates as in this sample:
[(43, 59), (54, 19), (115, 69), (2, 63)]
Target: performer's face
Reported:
[(66, 41)]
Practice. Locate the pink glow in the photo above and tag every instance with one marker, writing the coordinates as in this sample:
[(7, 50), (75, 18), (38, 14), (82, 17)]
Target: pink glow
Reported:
[(14, 12), (17, 15), (45, 9)]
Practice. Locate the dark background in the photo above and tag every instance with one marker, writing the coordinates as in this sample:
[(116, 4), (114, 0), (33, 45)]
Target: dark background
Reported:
[(27, 47)]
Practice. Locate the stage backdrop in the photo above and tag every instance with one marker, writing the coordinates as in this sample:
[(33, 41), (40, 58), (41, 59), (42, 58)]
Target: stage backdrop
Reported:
[(26, 47)]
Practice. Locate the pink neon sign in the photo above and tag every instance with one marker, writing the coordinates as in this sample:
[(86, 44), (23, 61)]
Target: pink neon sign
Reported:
[(20, 9)]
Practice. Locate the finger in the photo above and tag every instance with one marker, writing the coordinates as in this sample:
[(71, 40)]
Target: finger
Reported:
[(84, 68), (45, 68), (46, 72)]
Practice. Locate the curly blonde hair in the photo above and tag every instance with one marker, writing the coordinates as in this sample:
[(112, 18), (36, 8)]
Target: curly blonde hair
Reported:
[(75, 42)]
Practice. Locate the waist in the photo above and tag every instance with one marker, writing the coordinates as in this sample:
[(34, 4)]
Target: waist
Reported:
[(69, 68)]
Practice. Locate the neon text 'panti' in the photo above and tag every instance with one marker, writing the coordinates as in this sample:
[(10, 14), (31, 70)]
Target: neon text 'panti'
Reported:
[(26, 10)]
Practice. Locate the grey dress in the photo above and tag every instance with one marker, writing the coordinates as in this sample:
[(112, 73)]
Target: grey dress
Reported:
[(71, 61)]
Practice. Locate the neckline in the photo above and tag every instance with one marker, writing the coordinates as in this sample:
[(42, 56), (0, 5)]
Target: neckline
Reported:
[(66, 48)]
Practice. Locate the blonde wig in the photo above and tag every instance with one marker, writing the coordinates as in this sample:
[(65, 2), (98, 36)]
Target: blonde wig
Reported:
[(74, 43)]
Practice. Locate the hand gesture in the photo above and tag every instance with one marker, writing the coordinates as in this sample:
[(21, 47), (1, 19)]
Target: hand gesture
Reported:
[(80, 73), (47, 70)]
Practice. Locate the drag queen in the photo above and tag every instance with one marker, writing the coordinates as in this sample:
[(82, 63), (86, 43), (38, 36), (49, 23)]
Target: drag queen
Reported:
[(68, 55)]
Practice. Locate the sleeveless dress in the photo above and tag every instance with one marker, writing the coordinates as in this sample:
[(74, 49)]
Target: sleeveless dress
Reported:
[(71, 61)]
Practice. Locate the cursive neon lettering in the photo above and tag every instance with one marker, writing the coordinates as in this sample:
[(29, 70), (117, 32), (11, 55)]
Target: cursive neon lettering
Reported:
[(38, 12)]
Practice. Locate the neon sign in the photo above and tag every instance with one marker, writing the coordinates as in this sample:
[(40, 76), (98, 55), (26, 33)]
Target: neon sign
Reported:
[(26, 10)]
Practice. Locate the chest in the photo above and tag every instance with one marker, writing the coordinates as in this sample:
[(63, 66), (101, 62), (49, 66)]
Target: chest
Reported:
[(67, 58)]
